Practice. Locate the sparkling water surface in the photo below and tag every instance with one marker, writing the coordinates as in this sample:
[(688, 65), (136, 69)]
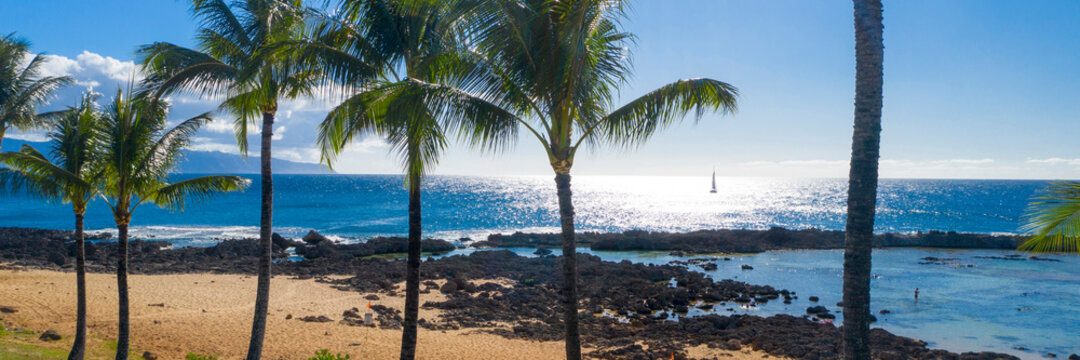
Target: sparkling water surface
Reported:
[(361, 206), (995, 305)]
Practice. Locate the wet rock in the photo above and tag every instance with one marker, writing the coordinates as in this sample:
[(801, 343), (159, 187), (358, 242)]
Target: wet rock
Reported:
[(542, 252), (49, 335), (371, 297), (747, 267), (884, 311), (813, 299), (314, 238), (1074, 357), (817, 310)]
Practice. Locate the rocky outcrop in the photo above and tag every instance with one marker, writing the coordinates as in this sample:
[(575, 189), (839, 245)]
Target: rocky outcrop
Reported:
[(748, 241)]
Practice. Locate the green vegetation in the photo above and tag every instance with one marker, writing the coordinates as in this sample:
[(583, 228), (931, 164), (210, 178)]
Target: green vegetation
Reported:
[(325, 354), (73, 176), (194, 356), (139, 153), (22, 88), (1053, 219), (238, 59), (413, 83), (557, 67)]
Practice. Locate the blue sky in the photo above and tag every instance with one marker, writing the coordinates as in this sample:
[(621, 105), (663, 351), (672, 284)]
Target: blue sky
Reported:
[(973, 89)]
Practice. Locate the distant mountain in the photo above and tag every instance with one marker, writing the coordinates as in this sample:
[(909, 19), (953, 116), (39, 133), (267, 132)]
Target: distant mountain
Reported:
[(210, 162)]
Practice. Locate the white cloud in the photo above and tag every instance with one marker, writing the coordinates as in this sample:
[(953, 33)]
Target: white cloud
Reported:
[(817, 162), (205, 144), (90, 69), (279, 133), (1054, 161), (367, 145), (307, 155), (35, 136)]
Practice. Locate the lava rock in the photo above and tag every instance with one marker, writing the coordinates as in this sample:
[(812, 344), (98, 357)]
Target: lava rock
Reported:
[(314, 238), (49, 335)]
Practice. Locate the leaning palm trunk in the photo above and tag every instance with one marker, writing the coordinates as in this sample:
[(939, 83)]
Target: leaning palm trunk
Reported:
[(412, 273), (569, 298), (123, 344), (862, 180), (262, 293), (78, 349)]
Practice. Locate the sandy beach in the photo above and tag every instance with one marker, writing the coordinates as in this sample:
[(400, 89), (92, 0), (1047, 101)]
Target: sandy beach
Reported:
[(211, 314)]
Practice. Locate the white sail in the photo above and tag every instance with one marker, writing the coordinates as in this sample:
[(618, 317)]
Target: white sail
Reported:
[(713, 182)]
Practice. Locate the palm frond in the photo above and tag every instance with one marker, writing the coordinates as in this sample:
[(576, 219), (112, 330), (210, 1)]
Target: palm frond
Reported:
[(634, 123), (177, 195), (1053, 220)]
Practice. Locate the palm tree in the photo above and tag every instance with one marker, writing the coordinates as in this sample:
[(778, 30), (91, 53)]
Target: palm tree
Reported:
[(139, 154), (863, 178), (22, 89), (73, 178), (558, 65), (232, 63), (363, 48), (1053, 220)]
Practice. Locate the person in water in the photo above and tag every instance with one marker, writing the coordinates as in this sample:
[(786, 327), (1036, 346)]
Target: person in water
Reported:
[(916, 294)]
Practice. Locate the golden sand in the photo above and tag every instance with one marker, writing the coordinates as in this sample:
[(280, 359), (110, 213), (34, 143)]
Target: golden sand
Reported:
[(211, 314)]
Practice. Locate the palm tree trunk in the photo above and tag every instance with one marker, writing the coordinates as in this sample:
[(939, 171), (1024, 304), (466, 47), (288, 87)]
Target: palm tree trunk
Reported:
[(412, 273), (124, 333), (3, 130), (862, 180), (262, 293), (569, 300), (78, 349)]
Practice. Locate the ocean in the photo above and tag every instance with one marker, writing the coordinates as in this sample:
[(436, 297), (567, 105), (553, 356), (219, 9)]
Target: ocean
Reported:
[(361, 206), (993, 305)]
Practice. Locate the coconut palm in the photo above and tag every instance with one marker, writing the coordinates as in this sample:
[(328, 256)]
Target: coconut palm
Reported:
[(22, 88), (71, 177), (863, 178), (558, 65), (139, 153), (231, 63), (410, 84), (1053, 219)]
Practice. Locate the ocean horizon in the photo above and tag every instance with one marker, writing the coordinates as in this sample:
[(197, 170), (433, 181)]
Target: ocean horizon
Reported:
[(356, 207)]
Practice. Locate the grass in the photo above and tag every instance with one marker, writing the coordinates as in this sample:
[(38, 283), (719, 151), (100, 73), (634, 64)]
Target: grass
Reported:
[(24, 345)]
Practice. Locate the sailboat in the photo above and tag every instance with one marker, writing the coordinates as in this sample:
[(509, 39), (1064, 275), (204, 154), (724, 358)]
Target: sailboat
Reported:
[(713, 191)]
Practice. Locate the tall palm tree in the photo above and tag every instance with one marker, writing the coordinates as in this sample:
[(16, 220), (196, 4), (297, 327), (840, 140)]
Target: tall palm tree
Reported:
[(73, 177), (406, 67), (140, 153), (22, 88), (863, 178), (1053, 220), (558, 65), (231, 62)]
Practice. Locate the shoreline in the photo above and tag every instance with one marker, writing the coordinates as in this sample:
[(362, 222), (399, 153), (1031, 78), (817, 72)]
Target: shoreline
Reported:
[(628, 308)]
